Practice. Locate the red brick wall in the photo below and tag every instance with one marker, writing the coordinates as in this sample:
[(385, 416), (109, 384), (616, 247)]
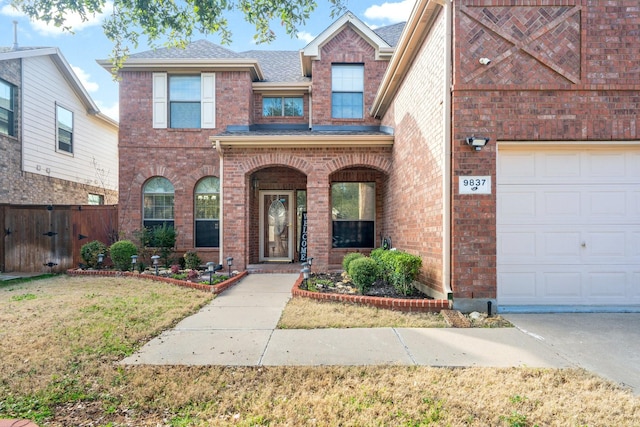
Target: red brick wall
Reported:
[(182, 156), (413, 215), (346, 47), (292, 169), (561, 70)]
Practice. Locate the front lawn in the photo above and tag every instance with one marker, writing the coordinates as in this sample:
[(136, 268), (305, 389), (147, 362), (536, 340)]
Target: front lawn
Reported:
[(62, 337)]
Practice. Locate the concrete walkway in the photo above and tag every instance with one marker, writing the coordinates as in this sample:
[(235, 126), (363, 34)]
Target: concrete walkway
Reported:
[(238, 328)]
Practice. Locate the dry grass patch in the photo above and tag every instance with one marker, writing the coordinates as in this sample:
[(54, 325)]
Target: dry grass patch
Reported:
[(307, 313), (62, 338)]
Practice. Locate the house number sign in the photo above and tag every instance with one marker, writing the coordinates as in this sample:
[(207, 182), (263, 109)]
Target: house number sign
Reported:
[(474, 185)]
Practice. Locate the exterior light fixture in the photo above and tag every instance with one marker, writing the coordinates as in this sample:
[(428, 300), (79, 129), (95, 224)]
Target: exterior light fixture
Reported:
[(305, 274), (134, 259), (210, 269), (310, 262), (477, 142), (229, 264), (100, 260), (155, 259), (256, 183)]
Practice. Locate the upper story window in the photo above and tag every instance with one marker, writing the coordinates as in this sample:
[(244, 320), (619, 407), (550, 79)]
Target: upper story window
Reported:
[(183, 101), (347, 91), (282, 107), (7, 106), (64, 119)]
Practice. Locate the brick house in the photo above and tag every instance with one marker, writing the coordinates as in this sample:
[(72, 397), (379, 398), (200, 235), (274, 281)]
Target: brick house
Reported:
[(370, 134)]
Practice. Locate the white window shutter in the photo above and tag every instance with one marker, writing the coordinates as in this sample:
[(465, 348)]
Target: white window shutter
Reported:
[(208, 100), (160, 100)]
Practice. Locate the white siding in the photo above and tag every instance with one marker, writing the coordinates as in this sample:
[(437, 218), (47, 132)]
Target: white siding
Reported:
[(95, 143)]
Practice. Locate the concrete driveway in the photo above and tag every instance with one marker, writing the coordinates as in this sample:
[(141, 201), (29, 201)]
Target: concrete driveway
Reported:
[(607, 344)]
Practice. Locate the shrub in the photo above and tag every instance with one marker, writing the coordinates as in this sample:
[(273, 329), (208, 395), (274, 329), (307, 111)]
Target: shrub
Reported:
[(191, 260), (348, 258), (398, 268), (121, 252), (89, 252), (363, 271), (160, 240)]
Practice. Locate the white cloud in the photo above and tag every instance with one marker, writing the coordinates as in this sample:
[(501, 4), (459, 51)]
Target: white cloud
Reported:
[(85, 79), (71, 19), (306, 37), (390, 12), (112, 111)]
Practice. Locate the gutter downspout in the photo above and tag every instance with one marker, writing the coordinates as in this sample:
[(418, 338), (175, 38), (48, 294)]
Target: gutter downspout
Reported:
[(447, 179), (310, 108), (221, 238)]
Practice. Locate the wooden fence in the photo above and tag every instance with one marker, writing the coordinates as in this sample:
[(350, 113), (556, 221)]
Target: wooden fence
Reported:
[(41, 238)]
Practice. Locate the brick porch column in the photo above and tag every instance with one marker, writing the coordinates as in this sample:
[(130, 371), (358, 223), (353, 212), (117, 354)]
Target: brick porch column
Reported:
[(318, 221)]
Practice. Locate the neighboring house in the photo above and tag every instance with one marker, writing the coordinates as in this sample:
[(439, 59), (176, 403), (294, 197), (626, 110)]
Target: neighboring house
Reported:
[(56, 146), (364, 134)]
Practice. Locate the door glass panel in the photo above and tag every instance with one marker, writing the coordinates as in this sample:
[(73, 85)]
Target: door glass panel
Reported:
[(276, 230)]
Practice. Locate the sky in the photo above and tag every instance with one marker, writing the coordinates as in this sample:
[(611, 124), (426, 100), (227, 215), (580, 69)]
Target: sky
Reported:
[(88, 42)]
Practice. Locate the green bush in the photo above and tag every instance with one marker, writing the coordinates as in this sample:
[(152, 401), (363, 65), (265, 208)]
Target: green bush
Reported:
[(159, 240), (363, 271), (121, 252), (191, 260), (398, 268), (89, 252), (348, 258)]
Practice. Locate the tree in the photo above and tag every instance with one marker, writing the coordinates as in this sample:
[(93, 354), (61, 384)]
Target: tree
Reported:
[(175, 20)]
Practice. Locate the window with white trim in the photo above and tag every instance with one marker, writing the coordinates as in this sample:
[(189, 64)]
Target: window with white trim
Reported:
[(7, 105), (64, 120), (184, 101), (353, 214), (158, 195), (347, 91), (282, 106)]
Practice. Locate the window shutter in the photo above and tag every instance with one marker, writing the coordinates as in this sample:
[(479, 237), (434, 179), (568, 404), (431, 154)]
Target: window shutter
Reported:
[(159, 100), (208, 100)]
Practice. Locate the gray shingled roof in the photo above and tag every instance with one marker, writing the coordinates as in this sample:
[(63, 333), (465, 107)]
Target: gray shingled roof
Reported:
[(200, 49), (279, 65), (391, 33)]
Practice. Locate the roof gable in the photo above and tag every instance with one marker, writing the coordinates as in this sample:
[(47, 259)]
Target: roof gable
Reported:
[(65, 69), (312, 50)]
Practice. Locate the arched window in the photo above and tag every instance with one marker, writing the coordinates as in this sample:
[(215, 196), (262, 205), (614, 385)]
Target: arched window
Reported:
[(158, 195), (207, 213)]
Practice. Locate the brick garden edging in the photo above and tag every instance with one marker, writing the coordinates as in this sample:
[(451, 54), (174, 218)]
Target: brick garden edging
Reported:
[(399, 304), (216, 289)]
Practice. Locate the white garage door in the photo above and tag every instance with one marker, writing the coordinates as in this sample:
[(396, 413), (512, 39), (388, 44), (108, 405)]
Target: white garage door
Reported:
[(568, 227)]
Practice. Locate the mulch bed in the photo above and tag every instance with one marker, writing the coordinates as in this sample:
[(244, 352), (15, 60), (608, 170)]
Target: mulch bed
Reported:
[(379, 289)]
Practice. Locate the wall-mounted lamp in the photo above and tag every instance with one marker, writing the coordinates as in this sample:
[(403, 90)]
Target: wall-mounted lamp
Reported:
[(256, 183), (477, 142)]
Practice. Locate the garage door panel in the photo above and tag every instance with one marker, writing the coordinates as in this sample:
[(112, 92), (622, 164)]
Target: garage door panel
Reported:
[(607, 285), (520, 285), (569, 234)]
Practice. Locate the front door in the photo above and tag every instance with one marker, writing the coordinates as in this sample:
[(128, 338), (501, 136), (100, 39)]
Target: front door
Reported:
[(276, 232)]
